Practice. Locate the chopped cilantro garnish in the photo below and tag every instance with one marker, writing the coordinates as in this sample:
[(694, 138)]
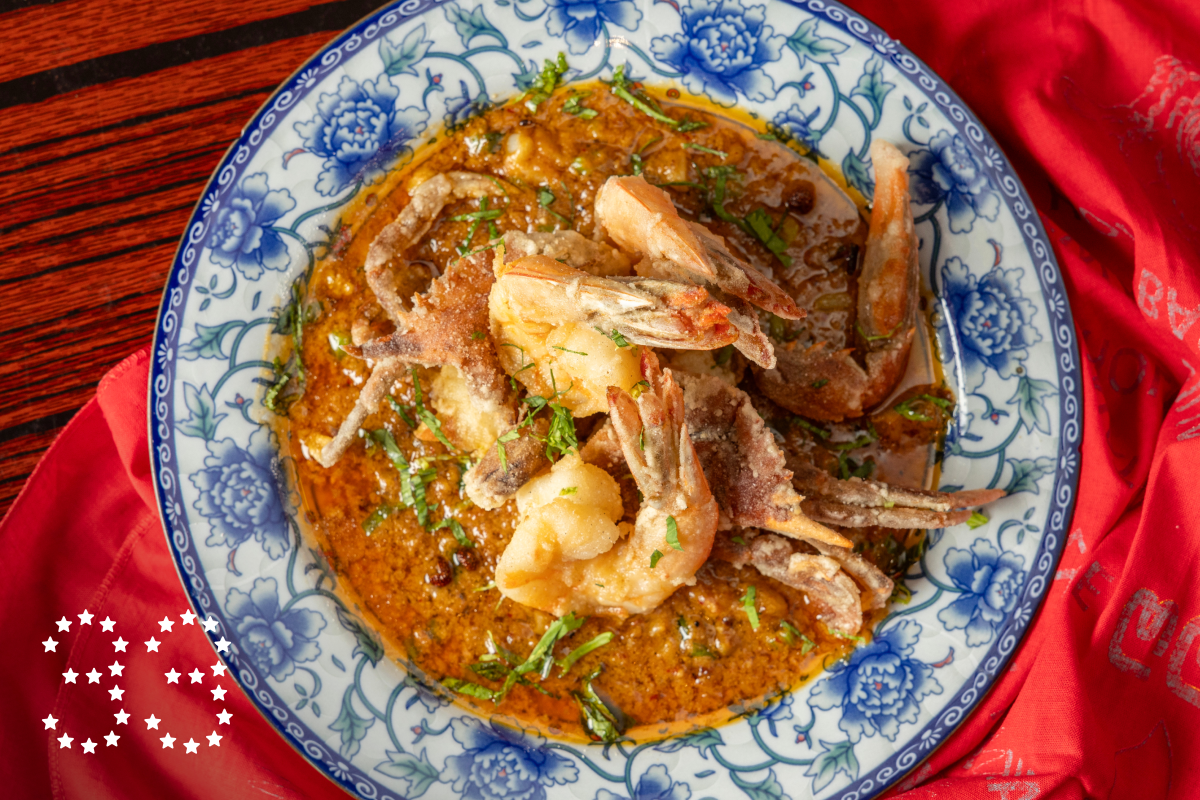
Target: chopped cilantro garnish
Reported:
[(638, 388), (977, 520), (906, 409), (631, 93), (768, 137), (599, 720), (472, 689), (566, 350), (546, 197), (699, 148), (569, 660), (654, 557), (793, 636), (749, 608), (819, 383), (567, 491), (738, 540), (490, 585), (478, 335), (576, 107), (850, 636), (402, 412), (618, 339), (759, 223), (811, 427), (337, 343), (901, 593), (545, 83), (673, 534), (427, 416), (700, 651), (501, 452), (719, 176), (456, 529), (376, 517)]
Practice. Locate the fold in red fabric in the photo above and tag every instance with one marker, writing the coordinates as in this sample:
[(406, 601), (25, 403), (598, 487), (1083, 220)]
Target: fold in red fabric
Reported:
[(1098, 106)]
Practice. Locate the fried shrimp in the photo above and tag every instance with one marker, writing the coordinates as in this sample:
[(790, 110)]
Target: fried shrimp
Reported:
[(562, 331), (823, 383), (571, 553)]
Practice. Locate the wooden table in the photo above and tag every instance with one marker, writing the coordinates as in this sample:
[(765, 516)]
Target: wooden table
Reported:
[(115, 114)]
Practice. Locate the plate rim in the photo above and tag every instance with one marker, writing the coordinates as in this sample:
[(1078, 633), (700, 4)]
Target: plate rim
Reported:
[(1065, 343)]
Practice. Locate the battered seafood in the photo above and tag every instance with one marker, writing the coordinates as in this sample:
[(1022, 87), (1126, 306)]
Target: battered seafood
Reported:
[(588, 407)]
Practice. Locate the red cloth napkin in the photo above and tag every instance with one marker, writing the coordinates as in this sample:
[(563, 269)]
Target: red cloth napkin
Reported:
[(1098, 105)]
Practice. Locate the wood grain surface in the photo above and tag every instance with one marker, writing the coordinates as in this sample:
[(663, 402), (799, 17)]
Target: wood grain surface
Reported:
[(115, 114)]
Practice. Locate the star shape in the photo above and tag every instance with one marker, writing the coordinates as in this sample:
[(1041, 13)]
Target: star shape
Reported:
[(191, 745), (70, 675), (50, 722), (120, 643), (165, 624), (116, 668), (172, 676), (214, 739), (85, 618), (122, 717), (49, 644), (152, 645), (196, 675), (111, 739), (218, 693), (152, 722), (224, 716), (89, 746), (218, 669), (93, 676), (223, 645), (107, 625), (116, 693), (188, 617), (64, 741), (168, 741), (64, 624), (210, 625)]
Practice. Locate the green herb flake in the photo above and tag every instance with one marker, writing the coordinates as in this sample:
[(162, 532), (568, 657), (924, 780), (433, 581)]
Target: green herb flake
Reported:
[(976, 520), (819, 383), (598, 719), (456, 529), (478, 335), (546, 82), (901, 594), (376, 518), (748, 606), (794, 637), (565, 350), (811, 427), (567, 491), (617, 338), (490, 585), (546, 197), (401, 412), (427, 416), (337, 343), (472, 689), (673, 534), (638, 388), (654, 557), (569, 660), (700, 651), (722, 356), (574, 105), (850, 636), (699, 148), (739, 540)]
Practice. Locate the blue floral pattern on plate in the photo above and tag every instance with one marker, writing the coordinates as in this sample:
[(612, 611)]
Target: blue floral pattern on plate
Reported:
[(827, 81)]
